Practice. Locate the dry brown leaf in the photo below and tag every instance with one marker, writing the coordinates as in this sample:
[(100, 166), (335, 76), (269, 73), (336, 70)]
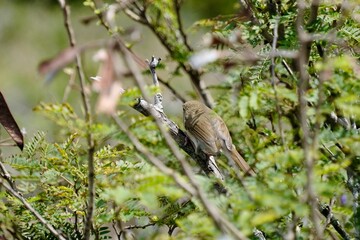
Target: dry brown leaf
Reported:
[(51, 66), (9, 123)]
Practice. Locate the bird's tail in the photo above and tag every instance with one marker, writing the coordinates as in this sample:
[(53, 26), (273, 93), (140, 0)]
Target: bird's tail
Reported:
[(240, 161)]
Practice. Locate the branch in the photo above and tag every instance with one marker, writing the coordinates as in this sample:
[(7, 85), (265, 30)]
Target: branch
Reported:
[(246, 4), (140, 226), (172, 90), (274, 44), (139, 61), (194, 74), (326, 212), (11, 188), (182, 140), (6, 175), (158, 98), (86, 104), (313, 15), (342, 121), (307, 141), (258, 234), (179, 22), (156, 110), (153, 159), (193, 189), (250, 10), (354, 186)]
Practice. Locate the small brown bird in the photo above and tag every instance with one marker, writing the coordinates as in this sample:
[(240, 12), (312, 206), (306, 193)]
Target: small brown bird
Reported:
[(209, 133)]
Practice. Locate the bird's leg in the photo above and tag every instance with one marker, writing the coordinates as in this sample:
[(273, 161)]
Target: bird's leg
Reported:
[(212, 165)]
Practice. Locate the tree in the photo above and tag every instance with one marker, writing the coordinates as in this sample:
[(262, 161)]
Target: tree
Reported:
[(288, 95)]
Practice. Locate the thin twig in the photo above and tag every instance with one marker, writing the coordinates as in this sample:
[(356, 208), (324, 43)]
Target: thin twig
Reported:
[(273, 65), (172, 90), (138, 60), (306, 138), (6, 175), (158, 98), (267, 36), (289, 70), (325, 210), (314, 7), (69, 86), (32, 210), (194, 74), (140, 226), (86, 104), (177, 4)]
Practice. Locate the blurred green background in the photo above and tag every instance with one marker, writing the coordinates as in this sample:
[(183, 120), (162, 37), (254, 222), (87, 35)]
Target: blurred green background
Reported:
[(32, 31)]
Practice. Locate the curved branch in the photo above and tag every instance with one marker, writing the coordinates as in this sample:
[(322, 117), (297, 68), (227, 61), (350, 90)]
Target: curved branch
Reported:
[(27, 205)]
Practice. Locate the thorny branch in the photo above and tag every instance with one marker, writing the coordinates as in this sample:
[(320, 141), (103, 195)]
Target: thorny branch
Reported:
[(86, 104)]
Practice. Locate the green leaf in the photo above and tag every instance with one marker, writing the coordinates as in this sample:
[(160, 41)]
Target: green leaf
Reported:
[(243, 107), (264, 217)]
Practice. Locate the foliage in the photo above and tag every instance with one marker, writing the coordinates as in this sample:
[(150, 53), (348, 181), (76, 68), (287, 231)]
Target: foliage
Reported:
[(262, 111)]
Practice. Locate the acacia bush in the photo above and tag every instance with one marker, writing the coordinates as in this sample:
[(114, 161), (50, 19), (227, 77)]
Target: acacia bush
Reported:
[(288, 93)]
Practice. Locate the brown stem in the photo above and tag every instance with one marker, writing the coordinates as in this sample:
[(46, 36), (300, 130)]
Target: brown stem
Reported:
[(278, 110), (32, 210), (307, 141), (179, 22), (86, 104)]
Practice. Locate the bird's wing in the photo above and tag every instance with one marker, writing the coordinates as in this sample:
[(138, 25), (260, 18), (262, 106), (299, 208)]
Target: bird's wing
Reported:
[(223, 135), (203, 131)]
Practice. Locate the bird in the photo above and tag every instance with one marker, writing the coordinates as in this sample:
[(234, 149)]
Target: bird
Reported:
[(209, 133)]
